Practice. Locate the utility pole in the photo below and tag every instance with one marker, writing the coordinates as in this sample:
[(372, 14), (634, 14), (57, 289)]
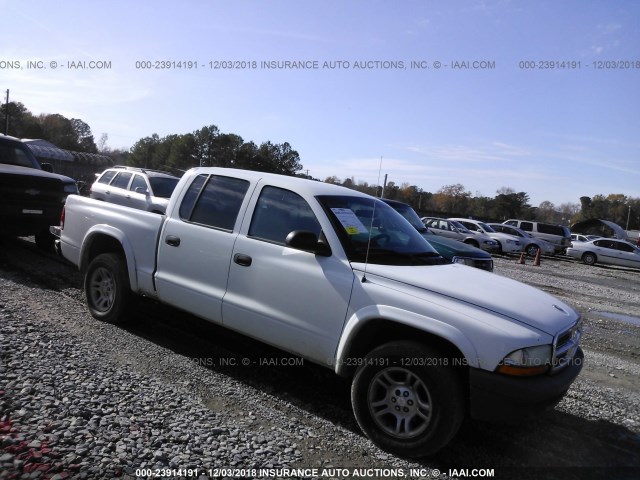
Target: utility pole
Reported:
[(628, 215), (6, 115)]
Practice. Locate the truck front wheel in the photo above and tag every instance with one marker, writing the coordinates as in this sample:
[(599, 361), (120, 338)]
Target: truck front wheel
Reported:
[(107, 288), (408, 399)]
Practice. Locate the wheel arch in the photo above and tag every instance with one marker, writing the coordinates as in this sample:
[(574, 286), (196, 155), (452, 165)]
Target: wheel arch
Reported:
[(472, 242), (106, 239), (364, 332)]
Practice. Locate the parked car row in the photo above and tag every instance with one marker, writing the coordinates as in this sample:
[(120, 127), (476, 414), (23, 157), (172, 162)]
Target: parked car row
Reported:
[(452, 250), (458, 240), (532, 237)]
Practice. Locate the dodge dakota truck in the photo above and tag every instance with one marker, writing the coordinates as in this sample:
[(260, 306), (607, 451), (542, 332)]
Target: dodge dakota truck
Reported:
[(343, 280)]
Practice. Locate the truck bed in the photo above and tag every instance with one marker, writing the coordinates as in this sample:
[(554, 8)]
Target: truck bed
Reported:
[(91, 217)]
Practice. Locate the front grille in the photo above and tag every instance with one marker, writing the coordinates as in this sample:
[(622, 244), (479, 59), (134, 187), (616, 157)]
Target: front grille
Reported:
[(565, 346), (31, 191), (29, 204)]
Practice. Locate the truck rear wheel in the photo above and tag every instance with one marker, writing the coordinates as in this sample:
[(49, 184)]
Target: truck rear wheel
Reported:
[(107, 288), (408, 399)]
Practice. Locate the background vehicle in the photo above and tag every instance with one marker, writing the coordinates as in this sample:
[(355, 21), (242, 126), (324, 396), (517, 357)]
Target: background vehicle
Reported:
[(457, 231), (135, 187), (31, 196), (506, 243), (452, 250), (343, 280), (558, 235), (579, 237), (607, 251), (530, 244)]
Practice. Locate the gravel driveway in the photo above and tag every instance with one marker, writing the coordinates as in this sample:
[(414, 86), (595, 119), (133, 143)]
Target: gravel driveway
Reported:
[(179, 397)]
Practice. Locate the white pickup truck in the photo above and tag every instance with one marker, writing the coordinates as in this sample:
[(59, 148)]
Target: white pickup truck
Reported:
[(341, 279)]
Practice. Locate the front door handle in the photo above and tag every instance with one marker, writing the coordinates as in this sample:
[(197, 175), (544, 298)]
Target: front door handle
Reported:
[(172, 241), (242, 259)]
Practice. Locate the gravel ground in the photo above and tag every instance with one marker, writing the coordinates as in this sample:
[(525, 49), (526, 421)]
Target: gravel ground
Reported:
[(83, 399)]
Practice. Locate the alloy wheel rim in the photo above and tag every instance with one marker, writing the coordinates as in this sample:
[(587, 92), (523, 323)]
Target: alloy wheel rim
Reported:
[(102, 289), (400, 403)]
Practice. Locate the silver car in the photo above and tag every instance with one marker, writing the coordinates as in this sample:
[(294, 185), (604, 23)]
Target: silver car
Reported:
[(139, 188), (506, 243), (607, 251), (531, 244), (457, 231), (579, 237)]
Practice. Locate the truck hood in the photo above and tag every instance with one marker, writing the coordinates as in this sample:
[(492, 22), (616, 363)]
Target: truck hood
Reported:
[(7, 169), (489, 291)]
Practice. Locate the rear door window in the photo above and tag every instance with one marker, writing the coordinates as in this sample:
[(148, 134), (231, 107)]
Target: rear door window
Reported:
[(214, 201), (121, 180)]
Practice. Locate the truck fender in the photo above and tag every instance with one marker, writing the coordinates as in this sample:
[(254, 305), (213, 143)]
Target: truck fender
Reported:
[(104, 230), (432, 326)]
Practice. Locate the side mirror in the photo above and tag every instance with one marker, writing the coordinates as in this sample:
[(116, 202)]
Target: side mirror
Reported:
[(142, 190), (307, 241), (47, 167)]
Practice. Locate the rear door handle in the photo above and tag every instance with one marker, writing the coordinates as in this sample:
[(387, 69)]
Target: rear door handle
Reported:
[(172, 241), (242, 259)]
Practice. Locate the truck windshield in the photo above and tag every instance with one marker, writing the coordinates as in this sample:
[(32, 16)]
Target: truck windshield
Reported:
[(370, 230), (14, 154)]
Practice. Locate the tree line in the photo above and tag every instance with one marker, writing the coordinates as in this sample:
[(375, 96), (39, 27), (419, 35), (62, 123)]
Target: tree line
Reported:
[(68, 134), (208, 146)]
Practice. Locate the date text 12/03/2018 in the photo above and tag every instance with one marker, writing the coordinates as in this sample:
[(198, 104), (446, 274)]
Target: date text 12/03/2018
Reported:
[(579, 65)]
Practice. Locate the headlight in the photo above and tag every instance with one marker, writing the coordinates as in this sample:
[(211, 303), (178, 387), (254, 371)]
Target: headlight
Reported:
[(462, 261), (526, 361)]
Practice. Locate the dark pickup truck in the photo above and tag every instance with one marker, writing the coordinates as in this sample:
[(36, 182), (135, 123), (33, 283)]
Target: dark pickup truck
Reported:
[(31, 195)]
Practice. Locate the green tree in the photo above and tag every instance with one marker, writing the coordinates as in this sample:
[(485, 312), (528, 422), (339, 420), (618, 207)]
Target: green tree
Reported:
[(143, 151), (509, 204), (83, 136), (452, 199), (22, 123), (206, 152), (182, 153)]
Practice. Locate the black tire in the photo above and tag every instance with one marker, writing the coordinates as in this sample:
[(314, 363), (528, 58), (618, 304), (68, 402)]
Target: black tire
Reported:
[(589, 258), (532, 249), (408, 399), (107, 288)]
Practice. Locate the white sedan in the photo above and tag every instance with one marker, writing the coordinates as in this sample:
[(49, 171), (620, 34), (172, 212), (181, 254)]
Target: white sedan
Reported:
[(607, 251)]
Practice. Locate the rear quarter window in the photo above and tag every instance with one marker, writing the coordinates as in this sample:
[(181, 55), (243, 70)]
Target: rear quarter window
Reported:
[(526, 226), (550, 229)]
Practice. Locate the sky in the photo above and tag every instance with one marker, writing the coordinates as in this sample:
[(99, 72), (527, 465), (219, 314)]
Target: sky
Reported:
[(539, 97)]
